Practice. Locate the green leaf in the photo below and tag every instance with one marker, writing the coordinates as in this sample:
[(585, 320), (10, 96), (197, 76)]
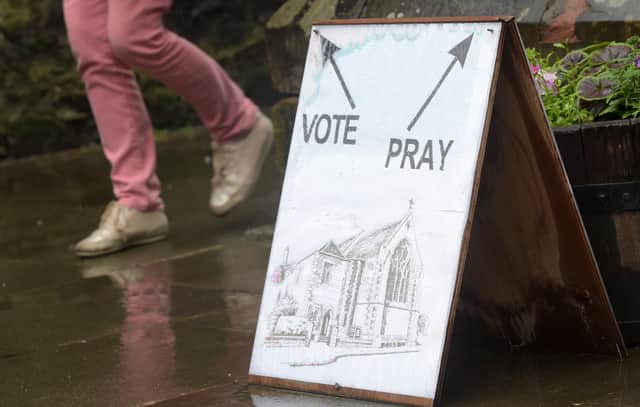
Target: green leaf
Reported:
[(595, 88), (573, 59), (612, 52)]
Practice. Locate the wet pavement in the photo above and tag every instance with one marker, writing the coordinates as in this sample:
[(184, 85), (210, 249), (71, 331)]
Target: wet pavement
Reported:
[(172, 324)]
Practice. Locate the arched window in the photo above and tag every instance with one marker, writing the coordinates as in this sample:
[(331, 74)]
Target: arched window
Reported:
[(327, 269), (399, 273)]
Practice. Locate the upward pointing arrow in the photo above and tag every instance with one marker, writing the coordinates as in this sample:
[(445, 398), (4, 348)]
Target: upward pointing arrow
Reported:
[(328, 49), (461, 50), (459, 53)]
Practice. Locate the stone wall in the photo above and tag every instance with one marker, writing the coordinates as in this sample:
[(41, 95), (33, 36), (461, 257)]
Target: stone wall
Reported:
[(42, 102)]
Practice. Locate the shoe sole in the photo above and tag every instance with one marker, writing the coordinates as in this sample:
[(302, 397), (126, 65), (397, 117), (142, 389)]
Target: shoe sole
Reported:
[(128, 245), (266, 148)]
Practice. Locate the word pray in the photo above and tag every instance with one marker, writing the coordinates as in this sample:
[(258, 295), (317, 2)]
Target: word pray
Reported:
[(414, 153)]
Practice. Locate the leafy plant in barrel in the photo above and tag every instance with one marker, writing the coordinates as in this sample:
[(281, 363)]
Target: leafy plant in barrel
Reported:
[(598, 82)]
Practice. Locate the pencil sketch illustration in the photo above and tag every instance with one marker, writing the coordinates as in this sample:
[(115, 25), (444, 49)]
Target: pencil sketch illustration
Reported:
[(362, 294)]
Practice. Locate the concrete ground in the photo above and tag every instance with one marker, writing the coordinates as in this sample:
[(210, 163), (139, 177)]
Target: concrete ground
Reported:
[(172, 324)]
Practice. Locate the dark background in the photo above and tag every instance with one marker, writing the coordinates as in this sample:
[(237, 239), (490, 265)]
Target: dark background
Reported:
[(42, 102)]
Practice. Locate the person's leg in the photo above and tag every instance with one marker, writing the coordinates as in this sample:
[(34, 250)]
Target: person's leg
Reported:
[(242, 136), (117, 104), (139, 38), (125, 131)]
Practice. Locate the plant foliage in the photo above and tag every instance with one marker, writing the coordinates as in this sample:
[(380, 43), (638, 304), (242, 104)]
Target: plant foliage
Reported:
[(42, 101), (598, 82)]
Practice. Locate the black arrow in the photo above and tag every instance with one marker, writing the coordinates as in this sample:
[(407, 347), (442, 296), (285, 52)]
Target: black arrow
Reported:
[(328, 49), (459, 53)]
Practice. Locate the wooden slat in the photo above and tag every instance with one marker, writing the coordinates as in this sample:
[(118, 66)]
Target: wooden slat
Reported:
[(602, 233), (609, 152), (340, 391), (615, 238), (635, 147), (417, 20), (569, 140), (531, 274)]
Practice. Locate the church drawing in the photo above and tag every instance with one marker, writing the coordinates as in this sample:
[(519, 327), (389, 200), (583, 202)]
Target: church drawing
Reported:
[(362, 293)]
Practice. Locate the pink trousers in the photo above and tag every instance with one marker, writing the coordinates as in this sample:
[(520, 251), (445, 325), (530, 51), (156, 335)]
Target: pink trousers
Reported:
[(109, 38)]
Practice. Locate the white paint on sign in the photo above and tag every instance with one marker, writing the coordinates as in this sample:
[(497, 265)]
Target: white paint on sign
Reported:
[(376, 196)]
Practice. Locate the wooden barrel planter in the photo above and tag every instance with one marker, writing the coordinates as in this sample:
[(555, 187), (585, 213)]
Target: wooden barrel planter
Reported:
[(603, 163)]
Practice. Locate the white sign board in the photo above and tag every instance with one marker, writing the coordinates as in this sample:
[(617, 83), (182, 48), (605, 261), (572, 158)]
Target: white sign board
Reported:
[(375, 217), (374, 205)]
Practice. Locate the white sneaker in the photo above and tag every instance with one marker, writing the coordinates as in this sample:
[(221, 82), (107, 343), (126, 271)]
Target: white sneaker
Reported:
[(237, 166), (122, 227)]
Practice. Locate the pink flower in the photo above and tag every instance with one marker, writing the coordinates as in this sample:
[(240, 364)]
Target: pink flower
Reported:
[(546, 82), (550, 79), (534, 68)]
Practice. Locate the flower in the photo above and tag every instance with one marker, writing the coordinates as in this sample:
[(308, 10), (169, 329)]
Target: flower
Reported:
[(550, 79), (535, 68), (638, 62), (546, 82)]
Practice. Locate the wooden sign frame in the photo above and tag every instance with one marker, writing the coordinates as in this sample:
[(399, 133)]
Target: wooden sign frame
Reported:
[(521, 193)]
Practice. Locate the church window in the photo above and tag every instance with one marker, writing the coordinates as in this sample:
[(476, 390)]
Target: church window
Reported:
[(327, 269), (399, 273)]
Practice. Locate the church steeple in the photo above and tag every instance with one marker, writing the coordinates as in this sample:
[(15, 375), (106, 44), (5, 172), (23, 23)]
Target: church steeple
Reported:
[(408, 216)]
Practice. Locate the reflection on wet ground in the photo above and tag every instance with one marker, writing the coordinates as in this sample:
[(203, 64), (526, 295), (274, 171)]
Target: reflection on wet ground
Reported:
[(172, 324)]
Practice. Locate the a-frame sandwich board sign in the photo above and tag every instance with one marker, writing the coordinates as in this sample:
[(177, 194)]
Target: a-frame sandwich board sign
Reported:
[(422, 172)]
